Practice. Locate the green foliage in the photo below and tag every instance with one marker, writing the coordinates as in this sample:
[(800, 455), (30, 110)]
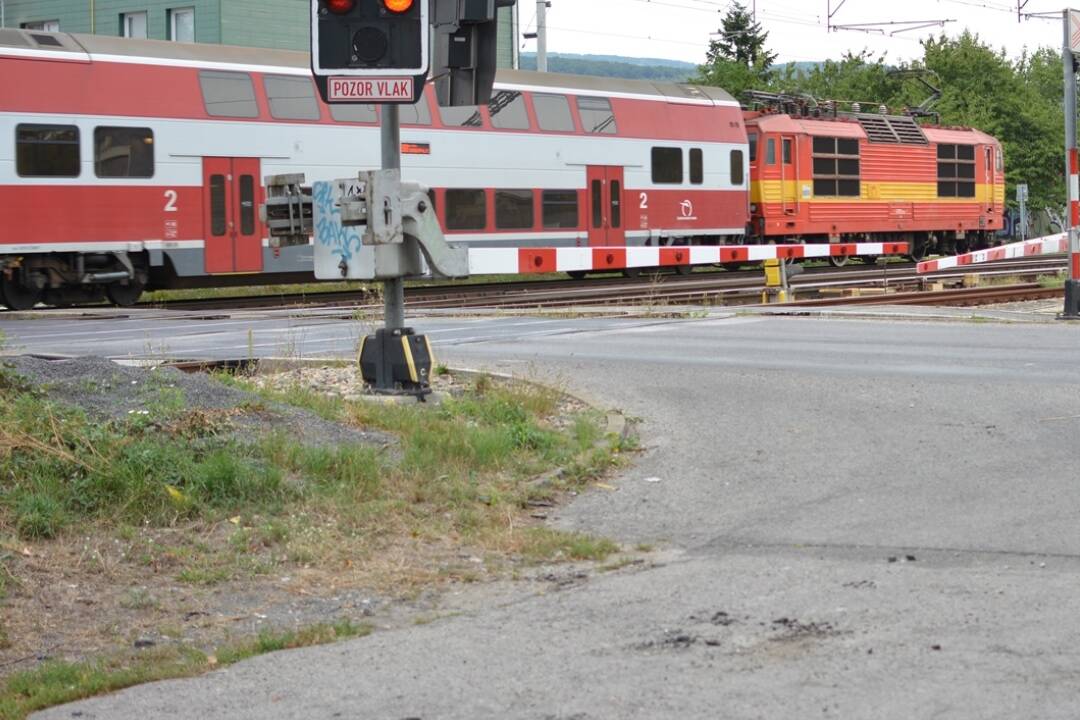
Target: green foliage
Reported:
[(738, 60)]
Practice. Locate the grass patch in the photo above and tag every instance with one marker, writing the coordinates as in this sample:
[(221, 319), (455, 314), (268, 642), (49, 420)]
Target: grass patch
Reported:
[(56, 683), (1052, 282)]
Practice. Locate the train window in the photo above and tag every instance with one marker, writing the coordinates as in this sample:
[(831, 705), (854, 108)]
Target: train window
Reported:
[(616, 204), (697, 165), (466, 210), (836, 167), (418, 114), (247, 204), (560, 208), (597, 117), (358, 113), (553, 113), (507, 110), (291, 97), (228, 94), (787, 152), (667, 166), (956, 171), (770, 151), (753, 147), (999, 163), (513, 209), (597, 203), (47, 150), (461, 117), (217, 204), (123, 152), (737, 173)]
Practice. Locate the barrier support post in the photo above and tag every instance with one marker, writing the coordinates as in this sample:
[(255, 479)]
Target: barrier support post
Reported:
[(1072, 165)]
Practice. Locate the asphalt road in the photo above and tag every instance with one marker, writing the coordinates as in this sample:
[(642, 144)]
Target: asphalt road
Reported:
[(855, 519)]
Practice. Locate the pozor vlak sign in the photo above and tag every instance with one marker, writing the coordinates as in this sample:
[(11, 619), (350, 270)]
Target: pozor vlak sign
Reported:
[(370, 51)]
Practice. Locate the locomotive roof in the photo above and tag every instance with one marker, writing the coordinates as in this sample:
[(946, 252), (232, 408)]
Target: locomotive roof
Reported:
[(852, 128), (163, 52)]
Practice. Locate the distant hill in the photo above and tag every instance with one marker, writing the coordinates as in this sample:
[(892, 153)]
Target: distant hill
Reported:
[(631, 68), (614, 66)]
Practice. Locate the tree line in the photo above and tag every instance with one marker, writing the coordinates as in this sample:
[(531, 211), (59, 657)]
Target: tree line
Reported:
[(1019, 101)]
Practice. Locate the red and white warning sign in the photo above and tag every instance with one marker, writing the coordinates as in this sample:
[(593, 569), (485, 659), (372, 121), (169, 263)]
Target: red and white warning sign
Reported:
[(359, 90)]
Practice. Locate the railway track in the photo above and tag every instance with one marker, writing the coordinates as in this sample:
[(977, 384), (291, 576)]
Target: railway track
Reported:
[(711, 288)]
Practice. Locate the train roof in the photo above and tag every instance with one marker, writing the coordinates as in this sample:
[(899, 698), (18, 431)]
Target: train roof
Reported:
[(895, 129), (33, 43)]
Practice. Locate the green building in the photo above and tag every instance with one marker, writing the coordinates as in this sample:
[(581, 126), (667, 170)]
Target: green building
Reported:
[(280, 24)]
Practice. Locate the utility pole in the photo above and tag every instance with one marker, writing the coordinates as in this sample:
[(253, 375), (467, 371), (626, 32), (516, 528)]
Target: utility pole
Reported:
[(541, 35), (1072, 164)]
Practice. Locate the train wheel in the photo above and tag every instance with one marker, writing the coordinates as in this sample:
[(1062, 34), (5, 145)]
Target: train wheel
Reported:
[(919, 250), (731, 266), (124, 295), (632, 273), (577, 274), (16, 296), (684, 269), (838, 260)]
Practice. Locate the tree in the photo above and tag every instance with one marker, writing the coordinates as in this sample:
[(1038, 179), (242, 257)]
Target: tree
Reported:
[(738, 60)]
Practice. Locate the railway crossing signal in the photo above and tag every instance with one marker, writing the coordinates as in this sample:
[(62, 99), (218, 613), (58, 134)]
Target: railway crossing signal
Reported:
[(1070, 52), (370, 51)]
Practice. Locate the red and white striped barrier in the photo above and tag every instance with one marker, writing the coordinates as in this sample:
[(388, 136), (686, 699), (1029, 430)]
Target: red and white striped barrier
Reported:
[(514, 261), (1050, 245)]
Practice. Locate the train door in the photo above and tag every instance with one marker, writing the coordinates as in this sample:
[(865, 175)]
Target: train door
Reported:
[(606, 216), (230, 215), (789, 182)]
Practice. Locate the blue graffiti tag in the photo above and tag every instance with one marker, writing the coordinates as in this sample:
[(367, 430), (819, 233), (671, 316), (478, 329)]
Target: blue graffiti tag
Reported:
[(329, 232)]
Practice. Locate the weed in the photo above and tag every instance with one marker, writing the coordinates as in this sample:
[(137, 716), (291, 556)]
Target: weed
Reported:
[(139, 599), (544, 543)]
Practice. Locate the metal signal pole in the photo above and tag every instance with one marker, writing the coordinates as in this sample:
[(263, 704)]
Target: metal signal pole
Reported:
[(393, 289), (1072, 170)]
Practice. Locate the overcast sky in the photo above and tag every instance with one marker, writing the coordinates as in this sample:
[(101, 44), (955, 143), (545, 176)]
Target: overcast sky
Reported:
[(679, 29)]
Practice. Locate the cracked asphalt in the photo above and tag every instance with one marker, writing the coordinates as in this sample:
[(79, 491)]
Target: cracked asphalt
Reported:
[(852, 519)]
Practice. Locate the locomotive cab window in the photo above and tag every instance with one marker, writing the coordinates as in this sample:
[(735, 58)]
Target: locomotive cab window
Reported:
[(560, 209), (121, 152), (47, 150), (836, 167), (667, 166), (597, 117), (466, 210), (553, 113), (770, 151), (291, 98), (513, 209), (507, 110), (956, 171), (697, 166), (228, 94)]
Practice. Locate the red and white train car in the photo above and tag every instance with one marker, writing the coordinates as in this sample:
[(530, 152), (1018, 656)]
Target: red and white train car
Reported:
[(133, 164)]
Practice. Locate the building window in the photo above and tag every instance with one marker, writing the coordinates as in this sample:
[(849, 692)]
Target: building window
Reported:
[(560, 209), (43, 25), (182, 24), (133, 25), (553, 113), (513, 209), (466, 210), (47, 150), (836, 167), (361, 113), (123, 152), (507, 110), (228, 94), (291, 97), (956, 171), (597, 117), (737, 173), (468, 117), (697, 166), (667, 168)]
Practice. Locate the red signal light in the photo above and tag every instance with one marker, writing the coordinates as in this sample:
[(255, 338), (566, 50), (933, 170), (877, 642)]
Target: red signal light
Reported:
[(340, 7), (398, 6)]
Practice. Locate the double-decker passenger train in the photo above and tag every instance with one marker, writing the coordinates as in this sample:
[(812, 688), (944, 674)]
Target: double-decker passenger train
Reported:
[(128, 165)]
